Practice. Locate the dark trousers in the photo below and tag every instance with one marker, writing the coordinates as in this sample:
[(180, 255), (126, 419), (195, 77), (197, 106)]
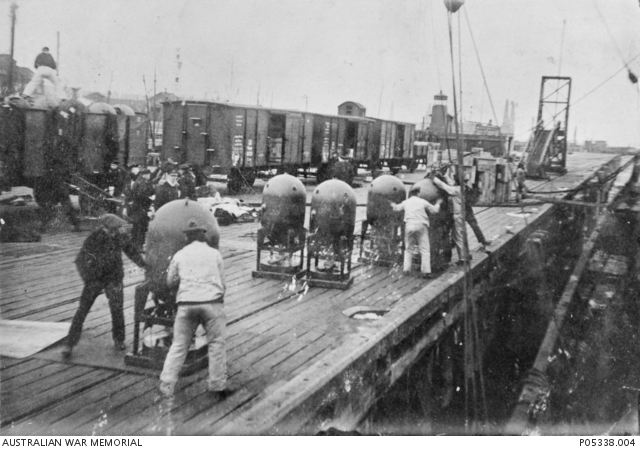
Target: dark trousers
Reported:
[(139, 229), (91, 290), (473, 223)]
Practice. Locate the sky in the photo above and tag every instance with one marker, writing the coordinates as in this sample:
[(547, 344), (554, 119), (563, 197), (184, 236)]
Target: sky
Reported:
[(392, 56)]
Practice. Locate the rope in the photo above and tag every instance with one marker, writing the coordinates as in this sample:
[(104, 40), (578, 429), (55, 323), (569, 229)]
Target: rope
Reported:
[(606, 26), (473, 362), (484, 78)]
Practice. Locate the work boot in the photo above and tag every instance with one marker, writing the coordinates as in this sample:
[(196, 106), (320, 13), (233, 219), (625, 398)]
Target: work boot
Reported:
[(166, 389), (67, 351)]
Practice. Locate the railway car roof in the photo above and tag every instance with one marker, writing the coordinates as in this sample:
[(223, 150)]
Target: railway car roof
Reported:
[(274, 110)]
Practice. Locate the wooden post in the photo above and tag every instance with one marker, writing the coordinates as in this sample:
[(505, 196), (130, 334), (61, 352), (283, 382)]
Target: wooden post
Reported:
[(13, 9)]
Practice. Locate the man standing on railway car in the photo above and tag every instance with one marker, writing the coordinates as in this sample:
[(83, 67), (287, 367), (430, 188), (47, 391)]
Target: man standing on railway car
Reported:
[(45, 67), (198, 270), (99, 263), (168, 191), (416, 231)]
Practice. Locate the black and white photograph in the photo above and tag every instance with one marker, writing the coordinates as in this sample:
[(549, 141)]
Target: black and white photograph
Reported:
[(319, 218)]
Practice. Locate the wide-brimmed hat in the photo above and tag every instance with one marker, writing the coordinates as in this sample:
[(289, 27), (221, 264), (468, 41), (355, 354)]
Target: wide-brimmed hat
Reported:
[(185, 166), (194, 224), (112, 221)]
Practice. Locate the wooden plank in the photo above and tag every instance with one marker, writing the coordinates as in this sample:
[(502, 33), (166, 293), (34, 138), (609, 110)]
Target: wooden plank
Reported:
[(61, 418), (23, 403)]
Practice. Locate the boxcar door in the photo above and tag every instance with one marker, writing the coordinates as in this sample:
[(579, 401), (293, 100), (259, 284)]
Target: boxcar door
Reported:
[(292, 139), (262, 133), (361, 146), (250, 137), (196, 134), (237, 150), (138, 129), (171, 130), (307, 140)]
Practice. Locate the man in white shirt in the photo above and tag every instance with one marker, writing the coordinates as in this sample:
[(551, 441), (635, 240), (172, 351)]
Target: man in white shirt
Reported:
[(198, 270), (416, 230)]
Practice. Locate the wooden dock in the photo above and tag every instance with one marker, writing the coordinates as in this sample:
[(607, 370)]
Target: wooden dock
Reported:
[(296, 362)]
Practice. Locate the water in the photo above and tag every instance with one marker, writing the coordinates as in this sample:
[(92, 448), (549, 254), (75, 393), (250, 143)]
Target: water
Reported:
[(594, 375)]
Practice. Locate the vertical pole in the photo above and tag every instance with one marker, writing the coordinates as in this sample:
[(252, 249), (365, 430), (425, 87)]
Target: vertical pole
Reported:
[(13, 9)]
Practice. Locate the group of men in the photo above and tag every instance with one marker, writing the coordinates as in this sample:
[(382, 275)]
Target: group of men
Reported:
[(142, 190), (416, 217), (197, 270)]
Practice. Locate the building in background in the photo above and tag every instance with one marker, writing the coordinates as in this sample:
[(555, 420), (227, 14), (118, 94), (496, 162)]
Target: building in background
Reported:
[(21, 75)]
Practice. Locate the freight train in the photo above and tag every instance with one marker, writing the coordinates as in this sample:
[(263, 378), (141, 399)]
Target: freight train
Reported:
[(243, 142), (72, 139), (237, 141)]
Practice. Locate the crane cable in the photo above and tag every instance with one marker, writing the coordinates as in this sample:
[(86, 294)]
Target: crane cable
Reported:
[(484, 78), (472, 362)]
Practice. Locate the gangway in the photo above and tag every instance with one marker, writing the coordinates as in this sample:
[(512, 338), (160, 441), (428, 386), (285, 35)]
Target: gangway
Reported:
[(546, 151)]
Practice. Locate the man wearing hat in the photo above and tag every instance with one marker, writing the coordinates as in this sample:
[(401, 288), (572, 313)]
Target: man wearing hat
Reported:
[(167, 191), (140, 196), (99, 263), (187, 183), (416, 230), (199, 272)]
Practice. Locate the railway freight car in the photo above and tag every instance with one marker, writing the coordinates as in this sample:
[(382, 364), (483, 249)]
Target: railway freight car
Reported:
[(67, 139), (243, 142), (392, 145), (340, 145), (237, 141)]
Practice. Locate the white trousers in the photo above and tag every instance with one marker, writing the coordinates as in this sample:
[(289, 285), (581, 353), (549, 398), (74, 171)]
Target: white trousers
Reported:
[(416, 240), (42, 73)]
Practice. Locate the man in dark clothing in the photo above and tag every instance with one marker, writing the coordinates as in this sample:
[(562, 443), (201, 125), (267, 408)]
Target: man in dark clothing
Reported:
[(45, 68), (99, 263), (50, 190), (45, 59), (139, 207), (115, 178), (470, 218), (167, 191), (187, 183)]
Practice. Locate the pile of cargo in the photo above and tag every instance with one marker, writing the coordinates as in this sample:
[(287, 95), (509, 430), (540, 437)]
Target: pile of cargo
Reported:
[(491, 176)]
